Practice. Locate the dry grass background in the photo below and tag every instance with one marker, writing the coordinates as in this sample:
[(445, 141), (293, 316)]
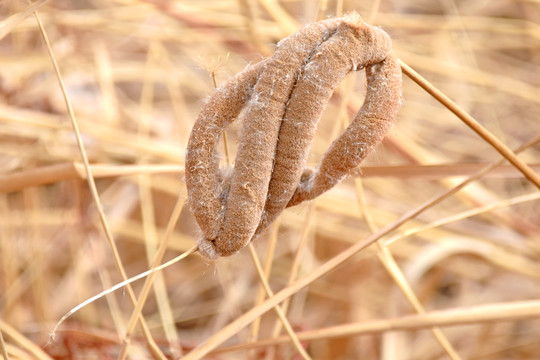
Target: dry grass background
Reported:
[(137, 73)]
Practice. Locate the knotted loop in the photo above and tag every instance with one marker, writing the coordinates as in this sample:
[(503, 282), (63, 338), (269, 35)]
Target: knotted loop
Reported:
[(283, 98)]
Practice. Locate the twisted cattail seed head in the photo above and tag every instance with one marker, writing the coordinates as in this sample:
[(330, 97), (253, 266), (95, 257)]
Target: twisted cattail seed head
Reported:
[(283, 98)]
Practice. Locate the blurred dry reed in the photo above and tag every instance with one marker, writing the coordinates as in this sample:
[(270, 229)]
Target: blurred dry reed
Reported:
[(454, 272)]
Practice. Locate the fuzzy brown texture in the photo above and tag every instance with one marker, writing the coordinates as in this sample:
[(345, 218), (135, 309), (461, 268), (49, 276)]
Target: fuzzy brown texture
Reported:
[(283, 98)]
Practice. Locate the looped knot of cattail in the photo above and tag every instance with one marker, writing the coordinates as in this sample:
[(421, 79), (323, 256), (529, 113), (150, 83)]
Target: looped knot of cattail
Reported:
[(280, 100)]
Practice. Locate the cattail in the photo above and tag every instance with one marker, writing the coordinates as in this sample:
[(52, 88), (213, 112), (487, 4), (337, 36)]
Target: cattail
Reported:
[(203, 177), (367, 129), (284, 97)]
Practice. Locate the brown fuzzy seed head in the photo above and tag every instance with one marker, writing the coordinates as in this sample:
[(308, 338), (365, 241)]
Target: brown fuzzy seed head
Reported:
[(283, 98)]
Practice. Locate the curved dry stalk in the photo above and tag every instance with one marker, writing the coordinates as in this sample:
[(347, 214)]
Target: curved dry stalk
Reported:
[(156, 352), (284, 97), (119, 286), (137, 312)]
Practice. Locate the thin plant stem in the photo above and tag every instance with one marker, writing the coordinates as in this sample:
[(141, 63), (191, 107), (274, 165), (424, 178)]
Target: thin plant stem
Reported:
[(148, 211), (3, 347), (464, 215), (488, 313), (120, 285), (391, 266), (150, 279), (339, 7), (93, 190), (374, 9), (393, 269), (7, 25), (277, 309), (235, 326), (264, 281), (49, 174), (23, 342), (322, 5), (267, 267), (297, 262), (472, 123)]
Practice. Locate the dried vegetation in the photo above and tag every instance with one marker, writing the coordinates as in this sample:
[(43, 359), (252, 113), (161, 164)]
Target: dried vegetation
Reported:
[(454, 269)]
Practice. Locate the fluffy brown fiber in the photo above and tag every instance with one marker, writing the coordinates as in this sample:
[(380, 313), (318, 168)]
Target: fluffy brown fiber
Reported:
[(281, 100)]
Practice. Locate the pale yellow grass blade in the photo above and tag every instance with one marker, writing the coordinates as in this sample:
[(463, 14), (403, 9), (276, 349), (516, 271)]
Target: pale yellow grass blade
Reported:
[(7, 25), (154, 348), (473, 124), (23, 341), (452, 317)]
